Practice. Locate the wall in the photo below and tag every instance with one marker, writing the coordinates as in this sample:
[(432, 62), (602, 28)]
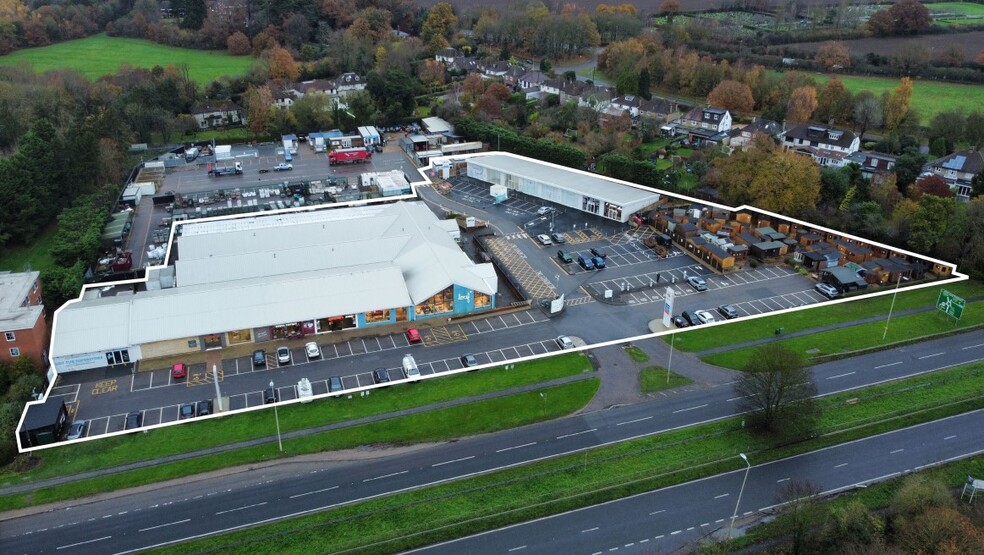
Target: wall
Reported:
[(171, 347), (32, 342)]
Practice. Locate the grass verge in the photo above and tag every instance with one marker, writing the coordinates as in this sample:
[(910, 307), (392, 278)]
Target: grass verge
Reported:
[(36, 256), (636, 354), (657, 378), (699, 339), (406, 520), (101, 54), (438, 425), (116, 451), (861, 336)]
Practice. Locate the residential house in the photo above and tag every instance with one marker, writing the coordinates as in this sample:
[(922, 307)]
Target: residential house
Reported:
[(743, 138), (349, 82), (23, 326), (323, 86), (282, 98), (462, 66), (532, 79), (216, 114), (625, 103), (708, 118), (874, 165), (830, 147), (657, 108), (496, 70), (958, 170), (448, 55)]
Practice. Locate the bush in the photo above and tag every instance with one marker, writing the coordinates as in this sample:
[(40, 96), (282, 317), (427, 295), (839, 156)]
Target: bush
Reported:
[(918, 493)]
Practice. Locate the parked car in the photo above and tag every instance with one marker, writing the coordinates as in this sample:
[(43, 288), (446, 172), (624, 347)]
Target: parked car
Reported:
[(728, 311), (469, 360), (704, 316), (133, 420), (283, 167), (680, 321), (312, 350), (178, 371), (565, 342), (585, 262), (828, 290), (259, 357), (413, 335), (380, 375), (186, 410), (599, 262), (335, 384), (690, 318), (271, 395), (697, 283), (598, 252), (76, 430), (544, 239), (558, 238), (544, 210), (204, 407), (283, 355), (564, 257)]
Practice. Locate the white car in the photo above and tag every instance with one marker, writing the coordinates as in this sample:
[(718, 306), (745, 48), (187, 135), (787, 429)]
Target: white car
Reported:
[(704, 316), (827, 290), (312, 350), (283, 355), (283, 167), (565, 342), (544, 240)]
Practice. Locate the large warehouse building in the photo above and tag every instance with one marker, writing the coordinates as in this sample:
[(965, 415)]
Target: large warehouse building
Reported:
[(571, 188), (261, 278)]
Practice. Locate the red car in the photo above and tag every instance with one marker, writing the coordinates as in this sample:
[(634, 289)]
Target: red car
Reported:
[(413, 335), (179, 371)]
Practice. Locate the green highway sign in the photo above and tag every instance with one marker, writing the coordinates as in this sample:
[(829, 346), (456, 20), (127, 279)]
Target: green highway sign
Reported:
[(950, 304)]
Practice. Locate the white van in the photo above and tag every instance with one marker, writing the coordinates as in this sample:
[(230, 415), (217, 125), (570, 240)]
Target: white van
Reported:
[(410, 368)]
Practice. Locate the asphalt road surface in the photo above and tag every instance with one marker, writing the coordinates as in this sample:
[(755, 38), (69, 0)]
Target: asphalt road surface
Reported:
[(668, 519), (139, 520)]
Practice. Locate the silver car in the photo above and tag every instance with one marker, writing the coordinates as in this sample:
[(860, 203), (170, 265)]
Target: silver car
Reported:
[(77, 430)]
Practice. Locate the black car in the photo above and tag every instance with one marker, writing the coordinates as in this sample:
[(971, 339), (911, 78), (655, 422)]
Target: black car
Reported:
[(728, 311), (205, 407), (469, 360), (270, 396), (186, 410), (335, 384), (598, 252), (679, 322), (259, 357), (133, 420), (690, 318), (380, 375)]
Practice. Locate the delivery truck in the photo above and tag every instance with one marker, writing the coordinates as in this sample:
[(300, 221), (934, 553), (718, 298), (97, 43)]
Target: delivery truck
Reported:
[(356, 155)]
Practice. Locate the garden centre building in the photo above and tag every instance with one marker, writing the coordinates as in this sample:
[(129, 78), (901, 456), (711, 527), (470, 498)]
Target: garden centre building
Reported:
[(261, 278)]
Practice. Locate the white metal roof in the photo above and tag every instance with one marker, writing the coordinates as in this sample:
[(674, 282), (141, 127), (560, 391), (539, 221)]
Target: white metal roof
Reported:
[(564, 178)]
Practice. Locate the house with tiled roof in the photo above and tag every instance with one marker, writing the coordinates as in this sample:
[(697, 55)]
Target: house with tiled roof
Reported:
[(216, 114), (657, 108), (873, 164), (958, 170), (829, 146), (323, 86), (743, 137), (349, 82), (709, 118), (532, 79), (448, 55)]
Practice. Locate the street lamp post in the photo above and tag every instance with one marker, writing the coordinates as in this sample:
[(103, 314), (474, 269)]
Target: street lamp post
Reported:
[(740, 491), (276, 415), (892, 308), (670, 362)]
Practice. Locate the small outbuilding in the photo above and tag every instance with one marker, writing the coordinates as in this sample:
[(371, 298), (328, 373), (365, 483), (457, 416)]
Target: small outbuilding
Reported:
[(43, 423)]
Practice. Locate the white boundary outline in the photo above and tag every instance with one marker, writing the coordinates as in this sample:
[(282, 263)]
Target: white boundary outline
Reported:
[(434, 168)]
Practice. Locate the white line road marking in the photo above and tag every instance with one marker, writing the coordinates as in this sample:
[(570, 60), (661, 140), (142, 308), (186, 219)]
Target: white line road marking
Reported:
[(629, 544), (736, 398), (782, 480), (659, 537), (454, 461), (385, 476), (657, 512), (516, 447), (634, 421), (242, 508), (948, 437), (932, 355), (578, 433), (675, 532), (896, 451), (972, 346), (840, 375), (840, 465), (887, 365), (719, 521), (83, 543), (313, 492), (517, 548), (644, 541), (163, 525), (589, 530), (722, 495), (691, 408)]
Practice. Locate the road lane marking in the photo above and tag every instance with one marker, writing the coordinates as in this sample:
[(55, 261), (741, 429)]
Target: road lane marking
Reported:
[(241, 508), (589, 530), (782, 480), (736, 398), (385, 476), (163, 525), (691, 408), (83, 543), (313, 492), (659, 537), (578, 433), (948, 437), (896, 451), (972, 346), (932, 355), (634, 421), (722, 495), (675, 532), (887, 365), (516, 447), (517, 548), (454, 461), (840, 375), (644, 541), (657, 512), (840, 465)]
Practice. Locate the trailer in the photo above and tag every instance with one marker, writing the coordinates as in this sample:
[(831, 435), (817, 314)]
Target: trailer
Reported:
[(216, 171), (349, 156)]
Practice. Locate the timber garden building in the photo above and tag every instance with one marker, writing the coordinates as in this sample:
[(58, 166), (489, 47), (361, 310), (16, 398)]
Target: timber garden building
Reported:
[(287, 275)]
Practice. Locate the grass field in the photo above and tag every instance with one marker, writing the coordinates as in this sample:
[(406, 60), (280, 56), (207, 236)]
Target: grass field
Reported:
[(36, 256), (100, 55), (656, 378), (966, 13), (928, 97)]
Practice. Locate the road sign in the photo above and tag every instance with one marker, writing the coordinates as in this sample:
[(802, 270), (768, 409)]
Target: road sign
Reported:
[(668, 307), (950, 304)]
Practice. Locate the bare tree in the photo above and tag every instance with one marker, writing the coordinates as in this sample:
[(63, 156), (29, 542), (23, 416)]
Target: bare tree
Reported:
[(802, 510), (777, 390)]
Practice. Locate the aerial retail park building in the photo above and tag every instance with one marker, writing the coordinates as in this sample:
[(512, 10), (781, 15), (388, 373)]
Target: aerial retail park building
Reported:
[(260, 278)]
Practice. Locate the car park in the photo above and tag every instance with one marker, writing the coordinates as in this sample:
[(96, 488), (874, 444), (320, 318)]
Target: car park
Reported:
[(380, 375), (599, 262), (690, 318), (598, 252), (585, 262), (704, 316), (729, 311), (697, 282), (259, 357), (312, 350), (133, 420), (564, 257), (680, 322), (270, 395), (204, 407), (283, 355), (283, 167), (186, 410), (565, 342), (413, 335), (469, 360), (558, 238), (335, 384), (544, 239), (827, 290), (76, 430), (179, 371)]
